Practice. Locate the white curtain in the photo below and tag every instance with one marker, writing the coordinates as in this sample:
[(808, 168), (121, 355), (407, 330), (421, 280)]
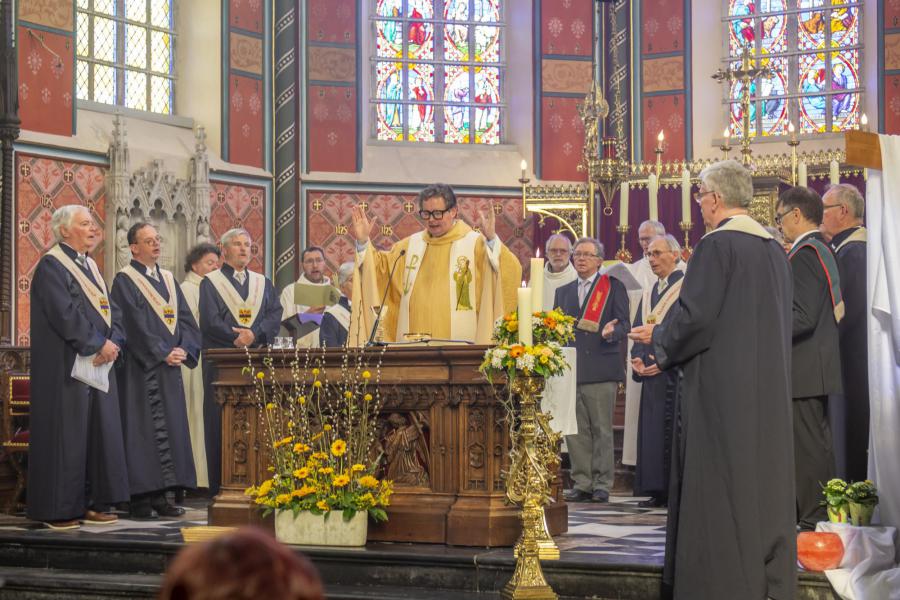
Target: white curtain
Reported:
[(883, 295)]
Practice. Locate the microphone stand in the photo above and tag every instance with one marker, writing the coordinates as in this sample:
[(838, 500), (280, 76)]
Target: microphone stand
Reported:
[(371, 341)]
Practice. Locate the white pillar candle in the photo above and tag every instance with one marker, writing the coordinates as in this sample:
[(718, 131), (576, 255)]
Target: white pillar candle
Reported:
[(623, 204), (537, 284), (523, 296), (834, 172), (801, 174), (686, 196), (653, 189)]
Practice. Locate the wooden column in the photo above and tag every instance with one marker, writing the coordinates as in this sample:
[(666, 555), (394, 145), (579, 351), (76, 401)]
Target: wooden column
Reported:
[(456, 498)]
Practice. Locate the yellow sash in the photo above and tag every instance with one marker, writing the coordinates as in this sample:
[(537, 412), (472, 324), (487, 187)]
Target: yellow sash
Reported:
[(245, 312), (662, 307), (860, 235), (99, 298), (166, 311), (744, 224)]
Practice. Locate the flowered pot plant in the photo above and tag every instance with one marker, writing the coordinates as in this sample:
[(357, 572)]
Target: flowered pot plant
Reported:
[(320, 430), (852, 503), (543, 358)]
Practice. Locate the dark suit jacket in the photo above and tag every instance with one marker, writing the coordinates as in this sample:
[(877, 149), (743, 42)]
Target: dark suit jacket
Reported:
[(599, 360), (816, 364)]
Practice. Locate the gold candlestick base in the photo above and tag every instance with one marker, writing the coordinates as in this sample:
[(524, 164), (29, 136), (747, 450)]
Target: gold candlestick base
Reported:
[(532, 460), (623, 254), (686, 251)]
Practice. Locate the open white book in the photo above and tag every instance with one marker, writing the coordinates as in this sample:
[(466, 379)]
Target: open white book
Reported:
[(84, 371)]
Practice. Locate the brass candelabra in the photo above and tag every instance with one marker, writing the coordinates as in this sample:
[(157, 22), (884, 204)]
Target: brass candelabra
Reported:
[(623, 254), (534, 460)]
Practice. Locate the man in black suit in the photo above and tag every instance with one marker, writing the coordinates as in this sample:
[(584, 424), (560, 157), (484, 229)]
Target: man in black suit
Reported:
[(816, 361), (842, 221), (600, 303)]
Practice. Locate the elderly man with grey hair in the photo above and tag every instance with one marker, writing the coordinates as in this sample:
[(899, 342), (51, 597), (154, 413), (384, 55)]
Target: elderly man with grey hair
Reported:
[(238, 309), (842, 222), (558, 270), (76, 454), (732, 513), (336, 320), (600, 305)]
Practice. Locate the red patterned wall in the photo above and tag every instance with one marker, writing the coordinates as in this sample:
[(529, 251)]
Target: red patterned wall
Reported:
[(889, 43), (246, 14), (245, 121), (240, 206), (563, 75), (892, 104), (394, 217), (45, 81), (42, 186), (663, 76), (332, 104)]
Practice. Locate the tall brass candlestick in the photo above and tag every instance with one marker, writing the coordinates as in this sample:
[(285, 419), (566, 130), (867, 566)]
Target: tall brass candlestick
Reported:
[(623, 254), (793, 142)]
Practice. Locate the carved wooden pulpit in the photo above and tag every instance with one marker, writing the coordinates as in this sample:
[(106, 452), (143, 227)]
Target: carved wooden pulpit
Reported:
[(445, 446)]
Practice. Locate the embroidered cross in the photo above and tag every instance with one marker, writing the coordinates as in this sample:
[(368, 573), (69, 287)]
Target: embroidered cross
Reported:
[(412, 266)]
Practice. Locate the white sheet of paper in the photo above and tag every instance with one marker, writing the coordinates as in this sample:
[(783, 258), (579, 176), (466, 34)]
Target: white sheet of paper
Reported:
[(84, 371)]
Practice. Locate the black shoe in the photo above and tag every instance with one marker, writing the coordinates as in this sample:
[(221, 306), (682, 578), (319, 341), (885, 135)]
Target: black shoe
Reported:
[(161, 505), (600, 496), (653, 502), (576, 495), (142, 511)]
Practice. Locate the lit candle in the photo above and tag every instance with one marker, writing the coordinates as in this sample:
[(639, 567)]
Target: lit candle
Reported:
[(537, 282), (801, 174), (864, 122), (524, 166), (727, 134), (834, 172), (523, 305), (653, 189), (792, 132), (659, 140), (686, 196), (623, 204)]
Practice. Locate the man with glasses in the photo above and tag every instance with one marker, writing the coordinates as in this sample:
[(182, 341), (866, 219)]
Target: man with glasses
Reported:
[(654, 435), (816, 361), (600, 304), (558, 270), (302, 320), (449, 282), (731, 529), (842, 222), (162, 336)]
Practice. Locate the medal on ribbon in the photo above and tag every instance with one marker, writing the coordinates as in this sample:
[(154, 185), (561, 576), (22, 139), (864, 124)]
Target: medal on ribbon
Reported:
[(245, 316)]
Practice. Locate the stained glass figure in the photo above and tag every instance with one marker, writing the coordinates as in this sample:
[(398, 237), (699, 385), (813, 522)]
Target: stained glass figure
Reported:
[(442, 80), (813, 47)]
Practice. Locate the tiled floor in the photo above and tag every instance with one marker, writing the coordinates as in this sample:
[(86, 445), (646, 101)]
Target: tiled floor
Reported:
[(618, 532)]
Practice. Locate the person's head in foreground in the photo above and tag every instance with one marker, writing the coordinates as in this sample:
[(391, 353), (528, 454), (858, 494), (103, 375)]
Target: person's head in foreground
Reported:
[(248, 564)]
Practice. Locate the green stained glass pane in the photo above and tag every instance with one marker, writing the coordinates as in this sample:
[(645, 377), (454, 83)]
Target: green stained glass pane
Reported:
[(135, 90), (161, 95), (160, 52), (161, 13), (83, 35), (136, 10), (136, 47), (104, 84), (104, 39)]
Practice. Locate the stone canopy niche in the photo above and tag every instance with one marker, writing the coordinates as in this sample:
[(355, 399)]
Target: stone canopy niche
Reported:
[(178, 208)]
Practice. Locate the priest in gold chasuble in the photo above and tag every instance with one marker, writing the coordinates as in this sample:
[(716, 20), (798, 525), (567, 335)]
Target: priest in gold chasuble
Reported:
[(449, 281)]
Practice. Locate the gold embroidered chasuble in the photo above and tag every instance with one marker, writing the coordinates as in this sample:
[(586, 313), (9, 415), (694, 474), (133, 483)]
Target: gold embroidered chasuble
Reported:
[(493, 291)]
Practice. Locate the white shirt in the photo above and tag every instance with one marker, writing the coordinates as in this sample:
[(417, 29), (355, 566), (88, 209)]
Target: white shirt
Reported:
[(801, 236), (584, 286)]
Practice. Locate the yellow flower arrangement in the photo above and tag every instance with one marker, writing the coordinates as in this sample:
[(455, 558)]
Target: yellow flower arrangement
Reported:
[(321, 430), (551, 330)]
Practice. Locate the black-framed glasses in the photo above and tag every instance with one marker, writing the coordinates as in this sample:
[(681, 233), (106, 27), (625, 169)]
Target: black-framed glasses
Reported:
[(698, 196), (433, 214), (779, 216)]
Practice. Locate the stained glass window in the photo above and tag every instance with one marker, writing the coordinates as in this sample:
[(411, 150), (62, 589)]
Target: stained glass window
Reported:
[(439, 71), (124, 51), (813, 49)]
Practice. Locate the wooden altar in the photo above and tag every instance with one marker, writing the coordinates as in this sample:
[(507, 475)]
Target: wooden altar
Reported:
[(460, 498)]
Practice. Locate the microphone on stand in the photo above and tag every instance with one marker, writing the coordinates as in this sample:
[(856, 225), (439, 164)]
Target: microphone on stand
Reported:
[(371, 341)]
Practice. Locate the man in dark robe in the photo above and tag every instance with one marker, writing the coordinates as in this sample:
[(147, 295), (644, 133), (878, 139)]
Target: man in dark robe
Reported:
[(842, 221), (731, 527), (816, 360), (162, 336), (76, 457), (654, 438), (238, 309)]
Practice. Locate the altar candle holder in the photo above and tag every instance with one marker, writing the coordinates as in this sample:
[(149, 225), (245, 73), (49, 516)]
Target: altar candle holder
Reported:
[(793, 142), (686, 251), (623, 254), (726, 144)]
